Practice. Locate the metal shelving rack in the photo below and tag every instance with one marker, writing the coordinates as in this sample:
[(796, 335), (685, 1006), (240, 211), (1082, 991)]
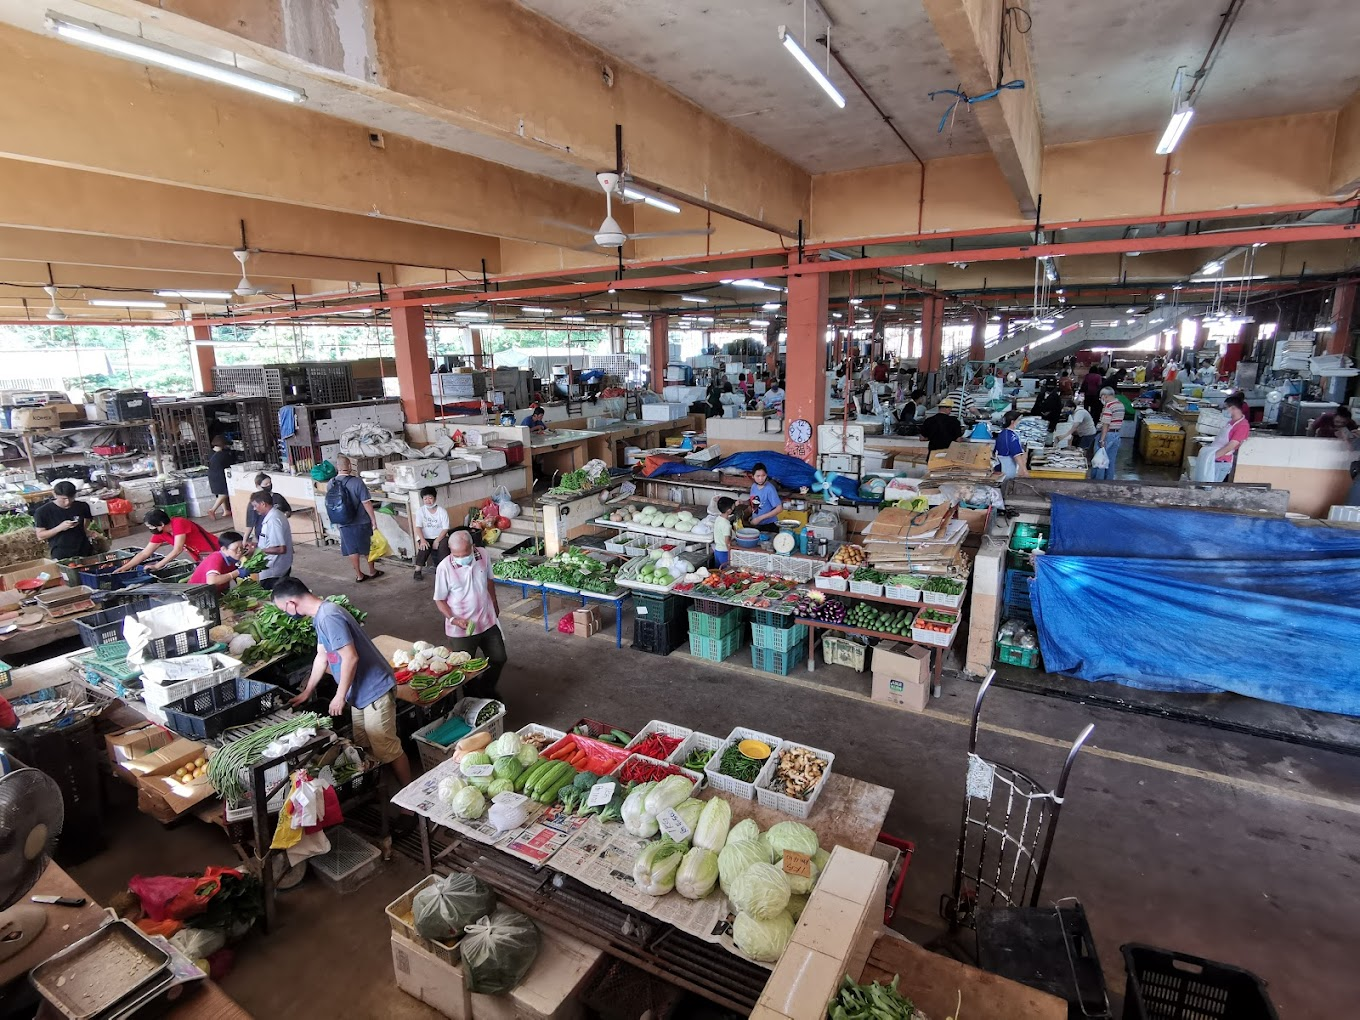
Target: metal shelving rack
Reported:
[(187, 427), (308, 382)]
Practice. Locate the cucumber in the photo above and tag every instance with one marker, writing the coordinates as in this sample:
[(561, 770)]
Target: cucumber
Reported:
[(620, 736), (561, 776), (541, 781), (551, 793), (532, 773)]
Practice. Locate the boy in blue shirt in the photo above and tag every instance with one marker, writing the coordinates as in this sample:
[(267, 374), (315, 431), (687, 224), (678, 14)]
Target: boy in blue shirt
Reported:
[(765, 501)]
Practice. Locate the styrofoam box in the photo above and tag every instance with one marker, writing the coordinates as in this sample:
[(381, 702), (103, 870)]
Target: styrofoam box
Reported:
[(487, 460), (663, 412), (415, 474)]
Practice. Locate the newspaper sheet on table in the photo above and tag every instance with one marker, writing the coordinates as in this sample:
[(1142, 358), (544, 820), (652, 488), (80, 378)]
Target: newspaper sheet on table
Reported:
[(601, 856), (539, 838)]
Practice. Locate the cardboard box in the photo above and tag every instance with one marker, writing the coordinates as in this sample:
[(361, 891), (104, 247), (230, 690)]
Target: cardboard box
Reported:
[(68, 412), (913, 695), (36, 419), (29, 570), (548, 991), (135, 742), (901, 660), (961, 458), (587, 621), (893, 524), (119, 525), (975, 519), (159, 794)]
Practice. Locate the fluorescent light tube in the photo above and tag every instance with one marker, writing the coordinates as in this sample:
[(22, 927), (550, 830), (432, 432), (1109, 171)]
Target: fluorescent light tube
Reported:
[(655, 201), (95, 37), (758, 322), (1324, 329), (752, 285), (573, 318), (472, 315), (893, 308), (791, 44), (773, 306), (857, 300), (1180, 120), (704, 318), (125, 303), (196, 295), (694, 300), (531, 310), (634, 315), (1211, 268)]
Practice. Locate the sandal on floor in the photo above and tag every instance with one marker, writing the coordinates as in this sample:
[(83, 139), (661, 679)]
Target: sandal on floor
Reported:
[(376, 573), (361, 579)]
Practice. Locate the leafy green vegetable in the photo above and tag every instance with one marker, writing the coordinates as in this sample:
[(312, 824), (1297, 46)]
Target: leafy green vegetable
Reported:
[(735, 764), (870, 1002), (14, 522), (513, 569), (255, 562), (277, 633)]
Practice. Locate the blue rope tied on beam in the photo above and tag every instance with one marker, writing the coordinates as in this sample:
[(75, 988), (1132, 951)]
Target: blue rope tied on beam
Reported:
[(964, 97)]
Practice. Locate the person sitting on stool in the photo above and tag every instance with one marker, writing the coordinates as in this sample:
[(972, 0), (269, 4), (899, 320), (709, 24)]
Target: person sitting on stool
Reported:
[(432, 531), (765, 501)]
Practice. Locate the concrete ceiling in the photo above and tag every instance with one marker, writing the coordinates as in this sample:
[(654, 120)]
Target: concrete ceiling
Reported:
[(1105, 67), (727, 58)]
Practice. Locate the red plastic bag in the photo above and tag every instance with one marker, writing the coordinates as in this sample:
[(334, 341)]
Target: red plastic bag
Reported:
[(567, 625), (331, 814), (119, 506), (157, 892)]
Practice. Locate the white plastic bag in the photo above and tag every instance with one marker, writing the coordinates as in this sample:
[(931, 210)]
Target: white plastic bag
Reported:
[(1101, 460)]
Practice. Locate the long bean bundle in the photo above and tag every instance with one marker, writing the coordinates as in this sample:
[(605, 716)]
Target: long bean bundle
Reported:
[(225, 768)]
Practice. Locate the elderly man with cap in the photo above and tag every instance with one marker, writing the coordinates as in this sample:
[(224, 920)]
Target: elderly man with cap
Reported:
[(943, 427), (465, 595)]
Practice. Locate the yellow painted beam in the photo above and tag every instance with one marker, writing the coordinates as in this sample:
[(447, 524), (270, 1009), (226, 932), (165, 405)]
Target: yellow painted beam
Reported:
[(140, 123), (971, 31)]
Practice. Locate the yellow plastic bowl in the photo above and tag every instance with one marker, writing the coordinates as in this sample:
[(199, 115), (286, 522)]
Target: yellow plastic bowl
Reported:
[(756, 750)]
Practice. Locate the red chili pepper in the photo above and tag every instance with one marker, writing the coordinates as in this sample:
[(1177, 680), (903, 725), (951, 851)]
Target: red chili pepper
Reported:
[(657, 745)]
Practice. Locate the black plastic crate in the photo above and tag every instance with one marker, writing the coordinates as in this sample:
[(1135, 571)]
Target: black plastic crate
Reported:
[(170, 495), (106, 576), (1049, 948), (206, 714), (128, 405), (106, 627), (658, 638), (710, 607), (184, 642), (1166, 985), (203, 596), (657, 608), (768, 619), (74, 472)]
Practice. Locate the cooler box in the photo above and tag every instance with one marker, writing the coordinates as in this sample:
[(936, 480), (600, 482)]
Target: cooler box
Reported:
[(664, 412), (512, 448), (415, 474)]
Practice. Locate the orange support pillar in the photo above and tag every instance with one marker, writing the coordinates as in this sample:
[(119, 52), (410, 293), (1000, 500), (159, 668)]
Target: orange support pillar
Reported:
[(477, 349), (977, 344), (1343, 315), (660, 352), (805, 364), (932, 340), (204, 358), (413, 363)]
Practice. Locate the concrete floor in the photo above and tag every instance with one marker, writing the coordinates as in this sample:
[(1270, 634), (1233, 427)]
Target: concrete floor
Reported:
[(1230, 846)]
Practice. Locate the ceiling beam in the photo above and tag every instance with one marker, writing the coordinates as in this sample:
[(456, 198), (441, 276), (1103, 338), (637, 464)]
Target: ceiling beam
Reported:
[(132, 121), (971, 32), (1346, 150), (29, 277)]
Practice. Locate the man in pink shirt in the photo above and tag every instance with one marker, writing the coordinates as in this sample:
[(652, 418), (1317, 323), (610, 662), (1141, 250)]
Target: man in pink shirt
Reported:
[(465, 595), (1235, 433)]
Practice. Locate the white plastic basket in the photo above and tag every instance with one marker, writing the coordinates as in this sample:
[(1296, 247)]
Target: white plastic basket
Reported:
[(934, 638), (470, 709), (782, 801), (936, 598), (902, 593), (616, 545), (696, 741), (665, 729), (158, 695), (866, 588), (831, 583), (539, 730), (694, 777), (432, 754), (746, 791)]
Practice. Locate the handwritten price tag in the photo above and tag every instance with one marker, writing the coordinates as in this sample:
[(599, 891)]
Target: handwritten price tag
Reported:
[(673, 825), (797, 864), (510, 800), (478, 770), (600, 793)]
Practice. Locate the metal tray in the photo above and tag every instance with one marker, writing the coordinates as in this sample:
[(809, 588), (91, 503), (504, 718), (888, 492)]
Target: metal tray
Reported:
[(97, 973), (61, 596)]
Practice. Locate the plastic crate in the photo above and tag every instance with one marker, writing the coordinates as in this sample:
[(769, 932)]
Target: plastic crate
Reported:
[(201, 596), (935, 638), (70, 569), (105, 576), (712, 607), (1165, 985), (903, 593), (348, 863), (715, 625), (658, 638), (831, 582), (714, 649), (594, 728), (771, 661), (839, 651), (795, 806), (694, 777), (778, 639), (695, 742), (537, 730), (1050, 948), (656, 608), (183, 642), (472, 707), (769, 618), (735, 787), (866, 588), (1026, 536), (1019, 584), (1014, 655), (401, 919), (430, 752), (106, 626), (943, 601), (658, 726), (158, 695), (6, 675), (176, 509), (207, 713)]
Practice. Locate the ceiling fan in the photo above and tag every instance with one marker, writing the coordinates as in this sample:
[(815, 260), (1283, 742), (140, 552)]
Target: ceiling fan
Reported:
[(54, 313), (245, 288), (609, 234)]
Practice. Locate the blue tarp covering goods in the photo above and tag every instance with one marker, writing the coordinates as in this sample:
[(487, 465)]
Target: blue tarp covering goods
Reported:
[(1198, 601), (790, 472)]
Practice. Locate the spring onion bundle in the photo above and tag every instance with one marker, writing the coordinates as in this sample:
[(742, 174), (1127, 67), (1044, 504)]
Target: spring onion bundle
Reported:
[(225, 768)]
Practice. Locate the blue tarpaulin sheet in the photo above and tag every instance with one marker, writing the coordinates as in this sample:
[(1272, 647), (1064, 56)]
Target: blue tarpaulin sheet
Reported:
[(790, 472), (1201, 602)]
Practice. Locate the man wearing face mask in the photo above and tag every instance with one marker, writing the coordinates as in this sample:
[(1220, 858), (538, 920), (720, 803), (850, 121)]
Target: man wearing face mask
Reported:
[(465, 595)]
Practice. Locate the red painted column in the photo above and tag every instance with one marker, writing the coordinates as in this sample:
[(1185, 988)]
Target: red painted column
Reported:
[(413, 363), (805, 359), (204, 358), (977, 345), (932, 337), (660, 352), (1343, 315)]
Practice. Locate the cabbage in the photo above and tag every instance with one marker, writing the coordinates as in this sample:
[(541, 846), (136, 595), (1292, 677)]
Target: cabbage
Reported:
[(762, 891), (689, 813), (636, 821), (799, 885), (654, 869), (711, 832), (796, 905), (763, 940), (473, 758), (819, 861), (793, 836), (468, 803), (747, 829), (499, 786), (505, 746), (698, 874), (448, 786), (736, 858), (508, 768), (671, 792), (527, 756)]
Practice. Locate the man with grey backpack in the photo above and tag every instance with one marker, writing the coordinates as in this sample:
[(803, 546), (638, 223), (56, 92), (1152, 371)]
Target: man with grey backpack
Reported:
[(350, 508)]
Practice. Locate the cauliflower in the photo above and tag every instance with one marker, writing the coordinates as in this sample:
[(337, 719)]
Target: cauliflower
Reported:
[(401, 658)]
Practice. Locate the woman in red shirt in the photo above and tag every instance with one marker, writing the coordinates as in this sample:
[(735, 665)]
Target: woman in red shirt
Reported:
[(223, 567), (182, 535)]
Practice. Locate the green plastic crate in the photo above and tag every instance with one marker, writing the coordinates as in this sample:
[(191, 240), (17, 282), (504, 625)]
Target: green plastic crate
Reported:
[(1026, 536), (714, 649), (1014, 655), (656, 608), (778, 639), (176, 509), (710, 626), (770, 661)]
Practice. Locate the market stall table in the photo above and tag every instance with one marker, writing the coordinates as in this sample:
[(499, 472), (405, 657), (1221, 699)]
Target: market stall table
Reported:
[(614, 598)]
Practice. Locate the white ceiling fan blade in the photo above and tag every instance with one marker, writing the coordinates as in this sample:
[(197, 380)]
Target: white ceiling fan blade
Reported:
[(670, 233), (575, 227)]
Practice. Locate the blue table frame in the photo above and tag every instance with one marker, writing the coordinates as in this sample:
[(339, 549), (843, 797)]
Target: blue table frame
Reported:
[(584, 596)]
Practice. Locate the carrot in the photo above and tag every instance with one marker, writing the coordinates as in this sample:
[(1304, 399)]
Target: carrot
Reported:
[(579, 760)]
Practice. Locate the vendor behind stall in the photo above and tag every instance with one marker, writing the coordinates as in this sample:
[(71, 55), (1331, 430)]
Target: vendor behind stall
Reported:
[(223, 567), (765, 501), (942, 428), (276, 540), (60, 522), (534, 422), (1336, 424), (1009, 449), (185, 538)]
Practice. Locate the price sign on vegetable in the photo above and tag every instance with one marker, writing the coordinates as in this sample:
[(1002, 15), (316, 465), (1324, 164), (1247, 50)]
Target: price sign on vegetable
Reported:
[(600, 793), (673, 825), (478, 770), (797, 864)]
